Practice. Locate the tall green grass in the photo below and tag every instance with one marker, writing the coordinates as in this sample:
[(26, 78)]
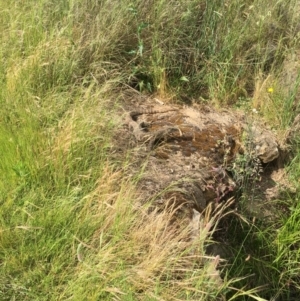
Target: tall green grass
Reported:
[(69, 225)]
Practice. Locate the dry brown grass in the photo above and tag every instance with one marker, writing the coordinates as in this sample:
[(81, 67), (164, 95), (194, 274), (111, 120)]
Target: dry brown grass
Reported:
[(143, 251)]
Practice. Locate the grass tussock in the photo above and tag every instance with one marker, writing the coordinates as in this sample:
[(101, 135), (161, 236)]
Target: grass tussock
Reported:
[(70, 224)]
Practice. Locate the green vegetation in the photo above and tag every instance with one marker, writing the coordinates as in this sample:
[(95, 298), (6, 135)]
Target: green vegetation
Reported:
[(69, 226)]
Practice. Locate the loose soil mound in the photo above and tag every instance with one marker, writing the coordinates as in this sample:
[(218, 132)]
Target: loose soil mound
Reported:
[(198, 155)]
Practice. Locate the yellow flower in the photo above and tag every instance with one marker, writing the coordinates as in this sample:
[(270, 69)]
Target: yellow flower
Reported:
[(270, 90)]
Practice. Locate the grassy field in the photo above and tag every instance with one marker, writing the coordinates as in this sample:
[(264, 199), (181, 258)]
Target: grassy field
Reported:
[(69, 229)]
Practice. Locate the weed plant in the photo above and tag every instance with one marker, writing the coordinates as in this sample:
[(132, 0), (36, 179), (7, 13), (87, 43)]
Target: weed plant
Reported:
[(70, 228)]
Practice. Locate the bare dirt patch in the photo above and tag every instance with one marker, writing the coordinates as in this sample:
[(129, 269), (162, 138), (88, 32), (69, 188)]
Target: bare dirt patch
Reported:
[(195, 155)]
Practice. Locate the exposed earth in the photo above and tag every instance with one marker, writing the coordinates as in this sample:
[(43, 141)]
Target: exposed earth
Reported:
[(196, 155)]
